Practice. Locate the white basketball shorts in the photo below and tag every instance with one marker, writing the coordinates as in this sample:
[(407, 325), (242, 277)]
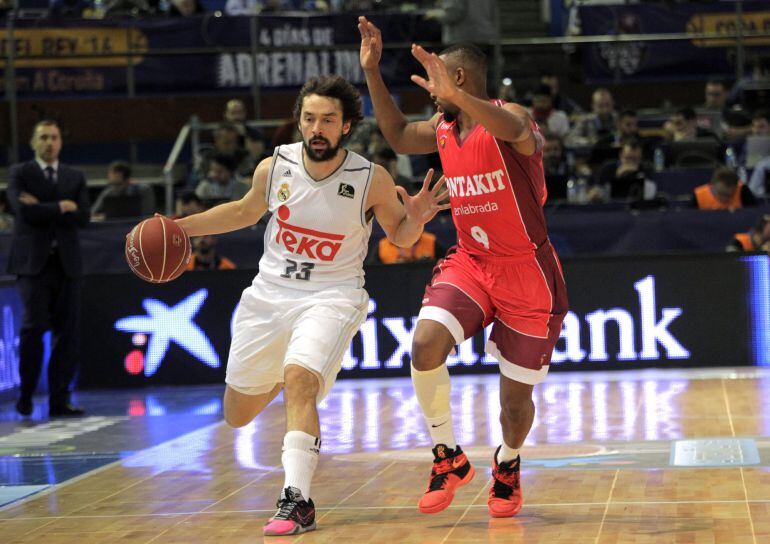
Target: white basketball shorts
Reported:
[(275, 324)]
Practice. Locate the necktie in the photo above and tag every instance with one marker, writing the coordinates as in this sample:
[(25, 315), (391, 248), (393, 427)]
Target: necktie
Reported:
[(49, 174)]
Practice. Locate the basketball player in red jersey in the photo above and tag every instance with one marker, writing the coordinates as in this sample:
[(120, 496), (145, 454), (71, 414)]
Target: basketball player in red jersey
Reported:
[(503, 271)]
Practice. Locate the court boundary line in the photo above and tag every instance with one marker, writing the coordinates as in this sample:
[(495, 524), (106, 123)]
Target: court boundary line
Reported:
[(743, 478), (607, 506), (329, 508)]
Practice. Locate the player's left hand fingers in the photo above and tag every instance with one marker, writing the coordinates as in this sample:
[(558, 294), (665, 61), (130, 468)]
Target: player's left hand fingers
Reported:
[(419, 53), (438, 185), (422, 82), (444, 206), (426, 181), (443, 196), (402, 193)]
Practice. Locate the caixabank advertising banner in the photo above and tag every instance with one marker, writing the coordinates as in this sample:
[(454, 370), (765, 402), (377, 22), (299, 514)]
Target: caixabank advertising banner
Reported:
[(625, 312)]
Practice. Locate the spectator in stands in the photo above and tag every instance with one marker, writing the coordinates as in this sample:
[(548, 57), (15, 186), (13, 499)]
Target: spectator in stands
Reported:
[(467, 21), (235, 114), (426, 249), (627, 177), (185, 8), (221, 183), (206, 257), (598, 124), (226, 143), (627, 127), (555, 166), (545, 115), (122, 197), (256, 151), (715, 95), (560, 100), (724, 192), (6, 219), (189, 203), (760, 73), (759, 184), (387, 158), (683, 126), (757, 239)]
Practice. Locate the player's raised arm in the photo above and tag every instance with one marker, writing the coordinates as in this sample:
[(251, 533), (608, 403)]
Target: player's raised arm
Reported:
[(234, 215), (403, 223), (511, 123), (404, 137)]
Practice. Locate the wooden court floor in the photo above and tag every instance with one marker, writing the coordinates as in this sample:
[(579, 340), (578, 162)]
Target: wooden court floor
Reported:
[(648, 457)]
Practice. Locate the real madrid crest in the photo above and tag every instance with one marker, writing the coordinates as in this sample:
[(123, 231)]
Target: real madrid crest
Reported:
[(283, 192)]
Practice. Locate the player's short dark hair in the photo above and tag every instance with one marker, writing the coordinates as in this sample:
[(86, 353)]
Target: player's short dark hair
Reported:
[(470, 56), (726, 176), (714, 81), (761, 114), (333, 87), (121, 167)]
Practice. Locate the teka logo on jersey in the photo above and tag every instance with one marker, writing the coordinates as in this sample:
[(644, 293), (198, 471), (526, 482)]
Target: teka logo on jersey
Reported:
[(477, 184), (323, 246)]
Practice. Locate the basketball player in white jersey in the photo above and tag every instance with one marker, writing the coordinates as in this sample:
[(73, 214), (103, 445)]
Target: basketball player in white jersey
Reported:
[(297, 318)]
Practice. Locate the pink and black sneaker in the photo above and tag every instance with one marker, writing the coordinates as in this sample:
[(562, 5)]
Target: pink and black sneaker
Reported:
[(295, 515), (505, 498), (451, 470)]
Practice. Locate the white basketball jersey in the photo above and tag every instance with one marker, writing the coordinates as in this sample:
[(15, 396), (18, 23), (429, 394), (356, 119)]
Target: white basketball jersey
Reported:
[(318, 235)]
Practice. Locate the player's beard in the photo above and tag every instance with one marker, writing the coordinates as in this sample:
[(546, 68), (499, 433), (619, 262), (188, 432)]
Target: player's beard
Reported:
[(321, 156)]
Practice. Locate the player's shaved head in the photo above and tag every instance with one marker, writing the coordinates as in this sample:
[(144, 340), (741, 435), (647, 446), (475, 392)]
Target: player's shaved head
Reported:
[(471, 59)]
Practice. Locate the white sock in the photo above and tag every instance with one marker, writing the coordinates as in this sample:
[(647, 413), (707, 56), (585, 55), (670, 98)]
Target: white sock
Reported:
[(441, 430), (299, 459), (432, 388), (506, 453)]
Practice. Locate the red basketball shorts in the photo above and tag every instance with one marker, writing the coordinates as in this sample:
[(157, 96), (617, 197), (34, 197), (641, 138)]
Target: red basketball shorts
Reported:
[(525, 299)]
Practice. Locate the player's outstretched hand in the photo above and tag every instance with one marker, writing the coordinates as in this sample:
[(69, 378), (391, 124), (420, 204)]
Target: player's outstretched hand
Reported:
[(371, 44), (439, 82), (423, 206)]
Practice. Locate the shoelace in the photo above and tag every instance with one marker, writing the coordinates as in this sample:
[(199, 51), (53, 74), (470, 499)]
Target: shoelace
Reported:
[(438, 479), (505, 482), (285, 508)]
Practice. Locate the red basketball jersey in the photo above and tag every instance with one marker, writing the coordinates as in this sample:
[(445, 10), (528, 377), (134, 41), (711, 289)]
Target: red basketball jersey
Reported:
[(497, 194)]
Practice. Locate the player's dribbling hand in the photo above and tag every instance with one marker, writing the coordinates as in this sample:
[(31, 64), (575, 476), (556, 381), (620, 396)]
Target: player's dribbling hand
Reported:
[(423, 206), (371, 44), (439, 82)]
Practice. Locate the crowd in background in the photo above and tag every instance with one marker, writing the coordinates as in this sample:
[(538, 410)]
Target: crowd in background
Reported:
[(593, 153)]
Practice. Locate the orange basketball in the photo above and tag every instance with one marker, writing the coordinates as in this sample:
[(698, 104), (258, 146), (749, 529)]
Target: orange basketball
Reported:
[(158, 250)]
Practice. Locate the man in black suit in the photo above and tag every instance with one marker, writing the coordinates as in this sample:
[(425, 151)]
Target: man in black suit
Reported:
[(50, 201)]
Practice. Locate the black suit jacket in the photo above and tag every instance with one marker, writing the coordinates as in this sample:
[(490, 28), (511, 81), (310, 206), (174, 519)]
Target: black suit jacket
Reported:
[(38, 225)]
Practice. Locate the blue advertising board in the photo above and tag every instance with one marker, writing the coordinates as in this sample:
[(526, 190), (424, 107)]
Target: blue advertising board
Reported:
[(629, 312)]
